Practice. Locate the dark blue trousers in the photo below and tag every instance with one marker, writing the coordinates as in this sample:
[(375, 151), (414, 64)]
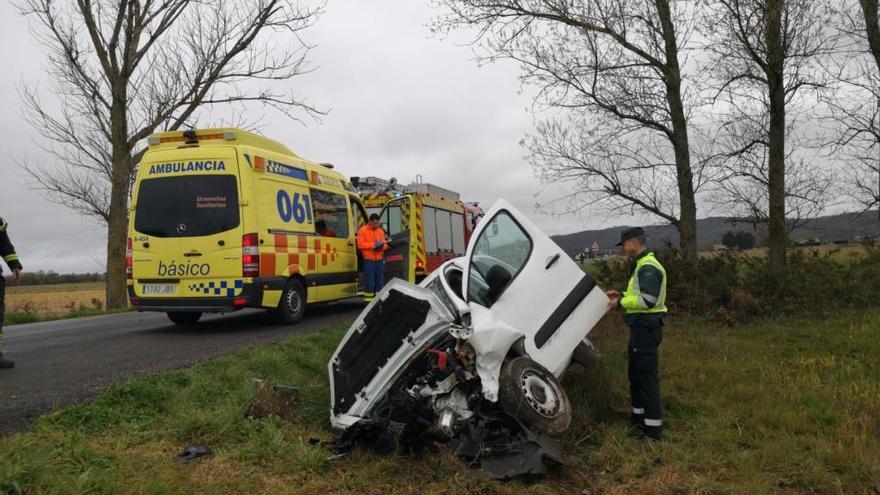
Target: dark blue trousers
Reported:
[(644, 383), (374, 277)]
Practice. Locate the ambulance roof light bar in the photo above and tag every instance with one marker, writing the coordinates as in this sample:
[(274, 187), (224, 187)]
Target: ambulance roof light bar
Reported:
[(189, 136)]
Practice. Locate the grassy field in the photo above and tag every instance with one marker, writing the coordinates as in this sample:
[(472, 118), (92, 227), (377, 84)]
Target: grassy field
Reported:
[(29, 303), (840, 253), (771, 407)]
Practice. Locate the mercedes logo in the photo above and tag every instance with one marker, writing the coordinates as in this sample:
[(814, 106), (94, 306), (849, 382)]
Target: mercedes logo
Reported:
[(181, 228)]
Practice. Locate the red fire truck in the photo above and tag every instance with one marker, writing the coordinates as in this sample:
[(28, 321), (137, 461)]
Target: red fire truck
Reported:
[(427, 224)]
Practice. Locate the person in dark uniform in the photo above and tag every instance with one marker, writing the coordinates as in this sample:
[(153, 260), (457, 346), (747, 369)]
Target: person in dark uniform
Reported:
[(7, 252), (644, 305)]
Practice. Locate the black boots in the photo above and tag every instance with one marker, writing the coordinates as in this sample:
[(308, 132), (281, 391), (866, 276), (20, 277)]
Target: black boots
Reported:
[(642, 428), (653, 432)]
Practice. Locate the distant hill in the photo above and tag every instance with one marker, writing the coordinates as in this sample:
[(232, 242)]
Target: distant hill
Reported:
[(846, 226)]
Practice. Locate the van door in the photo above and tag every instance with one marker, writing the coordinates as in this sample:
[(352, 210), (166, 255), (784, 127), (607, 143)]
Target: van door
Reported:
[(337, 262), (516, 271), (397, 222), (187, 224)]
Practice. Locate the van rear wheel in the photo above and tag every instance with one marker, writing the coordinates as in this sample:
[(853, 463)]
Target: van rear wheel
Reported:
[(292, 306), (185, 318)]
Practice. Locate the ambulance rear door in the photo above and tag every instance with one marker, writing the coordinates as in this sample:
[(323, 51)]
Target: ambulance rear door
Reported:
[(187, 224)]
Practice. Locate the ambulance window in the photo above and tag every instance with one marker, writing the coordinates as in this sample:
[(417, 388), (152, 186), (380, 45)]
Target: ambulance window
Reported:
[(430, 229), (187, 206), (331, 214), (444, 231), (458, 244)]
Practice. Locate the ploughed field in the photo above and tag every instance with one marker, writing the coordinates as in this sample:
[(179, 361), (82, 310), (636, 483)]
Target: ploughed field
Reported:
[(769, 407), (27, 303)]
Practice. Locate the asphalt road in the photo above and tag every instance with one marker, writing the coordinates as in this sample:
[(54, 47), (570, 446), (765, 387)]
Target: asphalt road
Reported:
[(69, 361)]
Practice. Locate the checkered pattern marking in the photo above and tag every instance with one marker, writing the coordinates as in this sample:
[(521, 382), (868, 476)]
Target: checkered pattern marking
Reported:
[(296, 250), (225, 288)]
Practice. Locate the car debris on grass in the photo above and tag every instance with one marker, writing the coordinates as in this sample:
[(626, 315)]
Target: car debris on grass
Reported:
[(472, 355)]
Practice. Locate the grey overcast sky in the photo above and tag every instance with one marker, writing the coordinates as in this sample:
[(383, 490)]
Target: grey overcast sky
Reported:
[(402, 103)]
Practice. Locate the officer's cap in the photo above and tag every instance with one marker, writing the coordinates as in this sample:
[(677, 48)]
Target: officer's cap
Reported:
[(630, 233)]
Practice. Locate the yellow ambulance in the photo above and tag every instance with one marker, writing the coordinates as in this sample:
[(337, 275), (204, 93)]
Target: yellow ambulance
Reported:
[(224, 219)]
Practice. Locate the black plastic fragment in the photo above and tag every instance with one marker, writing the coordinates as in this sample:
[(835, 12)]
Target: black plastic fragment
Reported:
[(367, 434), (194, 453), (503, 450)]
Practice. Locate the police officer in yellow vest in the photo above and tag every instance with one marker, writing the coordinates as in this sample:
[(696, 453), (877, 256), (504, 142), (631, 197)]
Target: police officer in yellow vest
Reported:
[(644, 305), (11, 259)]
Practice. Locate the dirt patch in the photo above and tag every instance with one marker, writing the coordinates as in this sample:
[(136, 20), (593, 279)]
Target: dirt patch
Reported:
[(274, 399)]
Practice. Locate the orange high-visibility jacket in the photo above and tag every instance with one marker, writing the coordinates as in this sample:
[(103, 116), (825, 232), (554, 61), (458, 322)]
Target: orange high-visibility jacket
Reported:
[(367, 237)]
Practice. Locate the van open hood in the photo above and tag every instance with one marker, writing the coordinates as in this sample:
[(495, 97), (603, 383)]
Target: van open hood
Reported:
[(400, 324)]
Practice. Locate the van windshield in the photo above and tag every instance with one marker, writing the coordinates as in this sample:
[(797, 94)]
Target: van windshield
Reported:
[(188, 206)]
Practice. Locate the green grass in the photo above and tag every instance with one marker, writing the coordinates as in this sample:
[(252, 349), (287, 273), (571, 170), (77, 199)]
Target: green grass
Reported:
[(19, 318), (771, 407)]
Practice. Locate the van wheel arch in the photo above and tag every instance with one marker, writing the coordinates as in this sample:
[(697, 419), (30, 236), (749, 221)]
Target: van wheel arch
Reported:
[(302, 280), (517, 349)]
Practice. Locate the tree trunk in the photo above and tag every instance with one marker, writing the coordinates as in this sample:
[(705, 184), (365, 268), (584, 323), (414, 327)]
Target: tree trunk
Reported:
[(117, 234), (872, 30), (687, 224), (117, 223), (872, 33), (776, 134)]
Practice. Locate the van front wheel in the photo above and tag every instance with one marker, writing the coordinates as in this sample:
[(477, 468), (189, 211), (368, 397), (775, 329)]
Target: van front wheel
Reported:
[(530, 393), (184, 317), (293, 302)]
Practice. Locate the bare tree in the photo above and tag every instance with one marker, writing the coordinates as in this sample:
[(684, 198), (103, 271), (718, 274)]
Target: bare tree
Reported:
[(855, 105), (613, 70), (123, 69), (742, 179), (765, 52)]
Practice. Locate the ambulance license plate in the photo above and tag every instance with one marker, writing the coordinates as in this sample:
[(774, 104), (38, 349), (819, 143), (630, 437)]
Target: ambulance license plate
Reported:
[(159, 289)]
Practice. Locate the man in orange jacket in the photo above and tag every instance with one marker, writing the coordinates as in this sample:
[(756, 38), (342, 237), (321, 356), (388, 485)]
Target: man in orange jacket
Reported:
[(372, 243)]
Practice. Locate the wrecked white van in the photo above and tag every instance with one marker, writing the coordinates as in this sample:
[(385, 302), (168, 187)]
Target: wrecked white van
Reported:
[(473, 353)]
